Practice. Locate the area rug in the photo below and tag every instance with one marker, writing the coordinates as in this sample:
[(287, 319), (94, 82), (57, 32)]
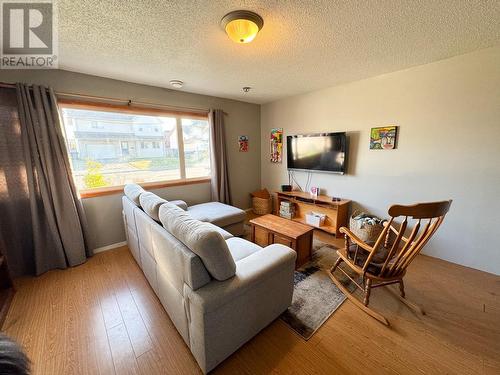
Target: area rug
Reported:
[(315, 296)]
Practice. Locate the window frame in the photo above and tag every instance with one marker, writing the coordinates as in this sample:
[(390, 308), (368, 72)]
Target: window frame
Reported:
[(151, 111)]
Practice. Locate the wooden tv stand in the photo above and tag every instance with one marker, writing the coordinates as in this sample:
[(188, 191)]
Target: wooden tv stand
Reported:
[(336, 211)]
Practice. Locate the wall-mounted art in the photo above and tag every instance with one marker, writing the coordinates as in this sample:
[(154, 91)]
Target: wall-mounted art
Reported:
[(243, 143), (276, 145), (383, 138)]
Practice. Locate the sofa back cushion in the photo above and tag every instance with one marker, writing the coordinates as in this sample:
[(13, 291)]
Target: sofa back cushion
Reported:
[(133, 192), (151, 203), (176, 262), (201, 239), (170, 255)]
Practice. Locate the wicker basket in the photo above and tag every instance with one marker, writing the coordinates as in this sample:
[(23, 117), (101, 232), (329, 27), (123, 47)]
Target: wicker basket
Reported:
[(367, 233), (262, 206)]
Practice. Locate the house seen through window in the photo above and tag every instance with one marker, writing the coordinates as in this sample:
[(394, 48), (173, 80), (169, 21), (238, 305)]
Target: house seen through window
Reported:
[(115, 148)]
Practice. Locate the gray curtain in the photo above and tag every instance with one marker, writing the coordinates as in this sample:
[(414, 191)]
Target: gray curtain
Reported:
[(16, 241), (58, 225), (220, 179)]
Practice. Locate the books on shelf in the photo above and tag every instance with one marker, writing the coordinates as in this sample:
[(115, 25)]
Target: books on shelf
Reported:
[(287, 210), (287, 215)]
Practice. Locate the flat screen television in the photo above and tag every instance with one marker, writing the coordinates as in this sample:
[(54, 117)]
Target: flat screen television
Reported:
[(324, 152)]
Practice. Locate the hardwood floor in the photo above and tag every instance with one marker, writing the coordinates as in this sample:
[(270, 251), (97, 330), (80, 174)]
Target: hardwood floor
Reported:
[(103, 318)]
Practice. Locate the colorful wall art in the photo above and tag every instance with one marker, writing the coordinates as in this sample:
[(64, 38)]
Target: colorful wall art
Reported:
[(276, 145), (383, 138), (243, 143)]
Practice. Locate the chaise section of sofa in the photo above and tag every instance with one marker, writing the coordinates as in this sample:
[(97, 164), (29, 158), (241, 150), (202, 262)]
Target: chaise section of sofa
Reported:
[(228, 217)]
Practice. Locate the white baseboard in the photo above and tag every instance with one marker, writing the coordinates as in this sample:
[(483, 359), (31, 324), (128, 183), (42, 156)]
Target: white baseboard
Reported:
[(109, 247)]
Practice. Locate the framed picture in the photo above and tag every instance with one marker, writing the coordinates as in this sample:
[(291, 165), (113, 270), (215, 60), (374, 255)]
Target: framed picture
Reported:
[(243, 143), (383, 138), (276, 145)]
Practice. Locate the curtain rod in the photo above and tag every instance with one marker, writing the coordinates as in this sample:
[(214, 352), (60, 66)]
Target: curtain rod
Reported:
[(115, 100)]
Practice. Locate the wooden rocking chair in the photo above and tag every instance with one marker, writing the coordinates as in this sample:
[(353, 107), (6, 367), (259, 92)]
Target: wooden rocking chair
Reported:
[(385, 262)]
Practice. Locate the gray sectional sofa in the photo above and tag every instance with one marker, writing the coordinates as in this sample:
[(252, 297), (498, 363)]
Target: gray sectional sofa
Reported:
[(219, 290)]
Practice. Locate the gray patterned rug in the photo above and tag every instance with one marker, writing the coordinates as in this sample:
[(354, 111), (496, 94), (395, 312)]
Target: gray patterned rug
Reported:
[(315, 296)]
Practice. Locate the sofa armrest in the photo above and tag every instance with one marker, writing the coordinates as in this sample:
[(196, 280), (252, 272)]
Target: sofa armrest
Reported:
[(250, 272)]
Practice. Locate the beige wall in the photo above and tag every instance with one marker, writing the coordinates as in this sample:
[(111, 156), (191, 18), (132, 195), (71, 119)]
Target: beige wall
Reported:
[(449, 147), (104, 213)]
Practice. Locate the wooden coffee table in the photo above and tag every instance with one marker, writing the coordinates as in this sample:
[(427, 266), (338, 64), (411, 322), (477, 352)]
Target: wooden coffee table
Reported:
[(269, 229)]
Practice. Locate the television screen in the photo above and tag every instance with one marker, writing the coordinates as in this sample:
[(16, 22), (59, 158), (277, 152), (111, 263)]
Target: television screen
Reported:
[(326, 152)]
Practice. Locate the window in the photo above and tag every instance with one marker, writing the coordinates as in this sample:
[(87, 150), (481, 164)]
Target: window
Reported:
[(130, 147), (97, 125), (196, 140)]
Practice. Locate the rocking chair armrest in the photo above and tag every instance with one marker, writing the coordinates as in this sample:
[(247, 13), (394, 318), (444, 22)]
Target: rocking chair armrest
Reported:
[(358, 241)]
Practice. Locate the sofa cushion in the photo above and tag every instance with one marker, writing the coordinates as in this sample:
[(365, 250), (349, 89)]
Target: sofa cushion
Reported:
[(151, 203), (241, 248), (217, 213), (133, 192), (201, 239), (224, 233), (180, 204)]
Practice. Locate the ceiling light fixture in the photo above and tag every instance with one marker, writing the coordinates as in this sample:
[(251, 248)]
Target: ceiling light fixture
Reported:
[(246, 89), (176, 83), (242, 26)]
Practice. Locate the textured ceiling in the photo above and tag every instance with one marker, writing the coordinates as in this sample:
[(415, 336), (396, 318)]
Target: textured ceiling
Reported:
[(304, 45)]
